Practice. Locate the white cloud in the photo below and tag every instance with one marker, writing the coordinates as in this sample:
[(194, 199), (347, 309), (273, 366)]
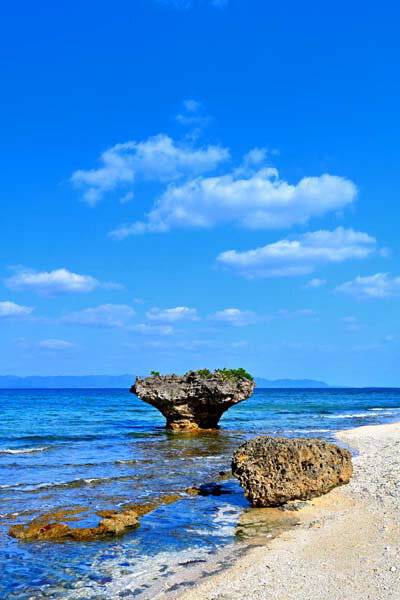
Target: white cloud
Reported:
[(255, 200), (59, 281), (112, 285), (390, 338), (128, 197), (192, 106), (170, 315), (351, 324), (145, 329), (193, 114), (380, 285), (55, 345), (10, 309), (158, 158), (256, 156), (315, 283), (235, 317), (302, 256), (105, 315), (349, 319)]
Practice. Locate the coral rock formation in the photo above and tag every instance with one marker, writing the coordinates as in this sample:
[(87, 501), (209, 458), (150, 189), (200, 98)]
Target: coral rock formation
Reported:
[(52, 526), (191, 402), (113, 523), (273, 471)]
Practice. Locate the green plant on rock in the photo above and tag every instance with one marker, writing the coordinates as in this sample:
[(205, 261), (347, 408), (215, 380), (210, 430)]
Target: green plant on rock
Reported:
[(234, 374), (204, 373), (224, 374), (155, 374)]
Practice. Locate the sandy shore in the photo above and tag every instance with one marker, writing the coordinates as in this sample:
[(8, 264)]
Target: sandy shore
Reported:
[(347, 546)]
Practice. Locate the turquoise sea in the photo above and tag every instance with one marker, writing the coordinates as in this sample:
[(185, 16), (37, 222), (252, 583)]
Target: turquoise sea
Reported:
[(101, 449)]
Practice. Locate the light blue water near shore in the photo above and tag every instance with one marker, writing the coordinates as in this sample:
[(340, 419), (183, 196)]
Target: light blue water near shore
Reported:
[(103, 448)]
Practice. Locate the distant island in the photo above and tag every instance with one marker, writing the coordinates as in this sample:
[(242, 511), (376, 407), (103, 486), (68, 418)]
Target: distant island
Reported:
[(291, 383), (125, 382)]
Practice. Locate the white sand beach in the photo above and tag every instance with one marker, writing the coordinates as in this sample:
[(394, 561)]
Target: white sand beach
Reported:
[(347, 546)]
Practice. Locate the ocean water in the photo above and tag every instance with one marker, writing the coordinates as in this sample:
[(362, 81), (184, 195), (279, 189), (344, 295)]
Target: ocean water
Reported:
[(101, 449)]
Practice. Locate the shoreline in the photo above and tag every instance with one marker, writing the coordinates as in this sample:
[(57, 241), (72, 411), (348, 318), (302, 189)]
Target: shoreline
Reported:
[(346, 545)]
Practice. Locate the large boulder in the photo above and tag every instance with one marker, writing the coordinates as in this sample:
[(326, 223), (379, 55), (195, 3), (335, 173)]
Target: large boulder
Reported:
[(192, 402), (273, 471)]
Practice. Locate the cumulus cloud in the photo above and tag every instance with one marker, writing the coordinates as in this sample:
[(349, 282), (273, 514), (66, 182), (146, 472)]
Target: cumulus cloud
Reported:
[(105, 315), (380, 285), (255, 200), (171, 315), (10, 309), (315, 283), (256, 156), (158, 158), (59, 281), (55, 345), (235, 317), (301, 256), (193, 114)]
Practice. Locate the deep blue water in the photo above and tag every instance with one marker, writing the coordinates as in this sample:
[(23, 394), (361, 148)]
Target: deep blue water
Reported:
[(103, 448)]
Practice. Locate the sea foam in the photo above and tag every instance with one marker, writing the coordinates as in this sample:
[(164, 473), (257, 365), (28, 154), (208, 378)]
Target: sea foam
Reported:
[(23, 450)]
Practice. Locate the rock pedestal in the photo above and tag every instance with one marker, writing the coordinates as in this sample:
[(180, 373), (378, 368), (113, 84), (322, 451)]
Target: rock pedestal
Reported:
[(190, 402), (273, 471)]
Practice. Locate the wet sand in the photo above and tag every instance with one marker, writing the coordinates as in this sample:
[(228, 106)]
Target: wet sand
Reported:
[(345, 547)]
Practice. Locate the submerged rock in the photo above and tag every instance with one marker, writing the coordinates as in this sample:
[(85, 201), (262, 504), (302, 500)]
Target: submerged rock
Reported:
[(191, 402), (208, 489), (113, 523), (52, 527), (273, 471)]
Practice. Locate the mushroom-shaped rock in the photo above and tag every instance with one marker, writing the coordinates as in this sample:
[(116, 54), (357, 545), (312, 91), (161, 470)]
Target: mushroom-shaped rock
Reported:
[(191, 401), (273, 471)]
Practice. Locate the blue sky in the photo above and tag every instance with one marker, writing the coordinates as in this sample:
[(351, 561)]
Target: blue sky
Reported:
[(199, 184)]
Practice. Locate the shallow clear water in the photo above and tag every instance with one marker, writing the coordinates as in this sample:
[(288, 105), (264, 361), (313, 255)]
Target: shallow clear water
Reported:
[(103, 448)]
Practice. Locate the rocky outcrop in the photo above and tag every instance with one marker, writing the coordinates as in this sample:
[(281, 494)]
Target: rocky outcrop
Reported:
[(52, 526), (113, 523), (190, 402), (273, 471)]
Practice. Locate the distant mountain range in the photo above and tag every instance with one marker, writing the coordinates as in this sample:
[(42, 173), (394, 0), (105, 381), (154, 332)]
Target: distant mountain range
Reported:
[(290, 383), (125, 382)]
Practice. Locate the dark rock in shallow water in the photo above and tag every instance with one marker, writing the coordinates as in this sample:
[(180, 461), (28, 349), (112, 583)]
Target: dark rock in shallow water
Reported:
[(190, 402), (212, 489), (273, 471), (208, 489)]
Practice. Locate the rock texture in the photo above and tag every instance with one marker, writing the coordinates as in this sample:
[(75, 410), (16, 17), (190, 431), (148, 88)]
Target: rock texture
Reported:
[(52, 526), (189, 402), (113, 523), (273, 471)]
